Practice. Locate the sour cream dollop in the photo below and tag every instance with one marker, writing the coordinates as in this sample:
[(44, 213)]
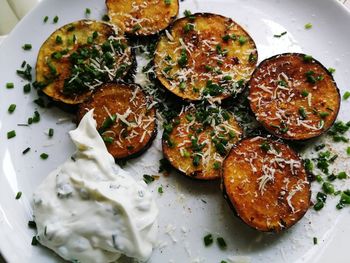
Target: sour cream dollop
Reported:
[(91, 210)]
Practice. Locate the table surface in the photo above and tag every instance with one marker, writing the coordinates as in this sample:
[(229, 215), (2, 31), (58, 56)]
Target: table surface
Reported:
[(345, 2)]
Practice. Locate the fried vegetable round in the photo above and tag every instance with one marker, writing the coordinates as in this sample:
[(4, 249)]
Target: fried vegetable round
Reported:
[(124, 118), (266, 184), (293, 96), (205, 56), (79, 57), (197, 141), (142, 18)]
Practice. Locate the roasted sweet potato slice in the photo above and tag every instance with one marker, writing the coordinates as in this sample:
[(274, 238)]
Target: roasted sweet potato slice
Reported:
[(142, 18), (293, 96), (197, 141), (266, 184), (205, 55), (79, 57), (124, 119)]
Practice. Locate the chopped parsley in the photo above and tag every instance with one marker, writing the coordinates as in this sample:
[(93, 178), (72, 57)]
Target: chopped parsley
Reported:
[(167, 2), (46, 18), (160, 190), (105, 18), (87, 11), (331, 70)]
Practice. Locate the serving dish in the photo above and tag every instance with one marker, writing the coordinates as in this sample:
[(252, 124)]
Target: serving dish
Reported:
[(188, 209)]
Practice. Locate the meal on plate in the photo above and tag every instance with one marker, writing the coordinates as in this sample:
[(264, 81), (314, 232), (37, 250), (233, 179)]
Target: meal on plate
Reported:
[(91, 210)]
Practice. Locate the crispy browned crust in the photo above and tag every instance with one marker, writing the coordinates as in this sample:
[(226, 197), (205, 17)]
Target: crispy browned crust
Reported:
[(210, 57), (179, 137), (82, 30), (279, 108), (129, 140), (283, 200), (143, 18)]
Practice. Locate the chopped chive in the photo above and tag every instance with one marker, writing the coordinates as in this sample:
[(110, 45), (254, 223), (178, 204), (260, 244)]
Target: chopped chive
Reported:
[(148, 178), (26, 88), (105, 17), (346, 95), (223, 261), (160, 190), (167, 2), (44, 156), (208, 240), (216, 166), (308, 26), (45, 19), (59, 40), (51, 131), (227, 77), (10, 85), (18, 195), (226, 38), (315, 240), (188, 27), (27, 46), (11, 108), (55, 19), (87, 11), (26, 150), (321, 197), (23, 64), (304, 93), (319, 205), (348, 150), (34, 241), (242, 40), (265, 146), (136, 27), (108, 139), (221, 242), (328, 188), (331, 70), (30, 120), (342, 175), (302, 113), (36, 117), (324, 114), (31, 224), (11, 134), (280, 35), (307, 58)]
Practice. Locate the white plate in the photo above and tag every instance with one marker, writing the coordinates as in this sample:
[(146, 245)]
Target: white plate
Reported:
[(188, 209)]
